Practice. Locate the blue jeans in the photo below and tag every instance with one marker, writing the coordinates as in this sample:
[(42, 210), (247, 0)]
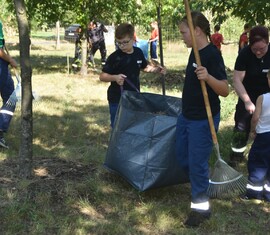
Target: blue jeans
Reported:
[(113, 110), (259, 166), (153, 50), (193, 148), (6, 89)]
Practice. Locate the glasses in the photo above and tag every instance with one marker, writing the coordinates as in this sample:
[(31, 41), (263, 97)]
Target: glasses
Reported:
[(261, 50), (124, 43)]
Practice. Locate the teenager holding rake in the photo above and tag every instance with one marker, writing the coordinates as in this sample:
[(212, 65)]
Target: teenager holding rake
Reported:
[(193, 137)]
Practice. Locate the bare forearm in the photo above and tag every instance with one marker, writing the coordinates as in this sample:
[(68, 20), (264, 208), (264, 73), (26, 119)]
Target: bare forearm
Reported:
[(220, 87), (7, 58), (241, 91)]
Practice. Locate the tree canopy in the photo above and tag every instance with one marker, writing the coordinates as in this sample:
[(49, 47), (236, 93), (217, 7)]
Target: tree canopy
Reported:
[(138, 12)]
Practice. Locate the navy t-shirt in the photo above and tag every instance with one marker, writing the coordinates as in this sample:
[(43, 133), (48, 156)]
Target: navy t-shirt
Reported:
[(193, 106), (255, 80), (128, 64)]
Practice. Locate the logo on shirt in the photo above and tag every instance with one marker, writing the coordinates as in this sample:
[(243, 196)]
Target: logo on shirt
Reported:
[(139, 63)]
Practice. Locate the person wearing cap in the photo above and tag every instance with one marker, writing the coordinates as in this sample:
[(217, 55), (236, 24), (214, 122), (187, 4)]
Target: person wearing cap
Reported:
[(6, 88), (249, 81)]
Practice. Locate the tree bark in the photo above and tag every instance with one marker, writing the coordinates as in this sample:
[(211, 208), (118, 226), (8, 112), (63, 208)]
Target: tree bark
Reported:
[(58, 35), (83, 71), (26, 146)]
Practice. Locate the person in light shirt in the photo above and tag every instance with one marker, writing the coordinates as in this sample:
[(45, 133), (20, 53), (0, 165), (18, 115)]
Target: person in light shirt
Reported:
[(258, 186)]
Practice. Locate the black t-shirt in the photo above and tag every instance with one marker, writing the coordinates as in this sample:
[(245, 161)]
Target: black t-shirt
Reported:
[(128, 64), (192, 98), (255, 80)]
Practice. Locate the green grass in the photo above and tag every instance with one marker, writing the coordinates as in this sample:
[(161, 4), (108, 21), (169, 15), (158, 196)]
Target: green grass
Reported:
[(71, 192)]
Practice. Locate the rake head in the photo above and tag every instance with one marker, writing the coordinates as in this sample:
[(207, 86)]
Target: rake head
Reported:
[(225, 181), (12, 100)]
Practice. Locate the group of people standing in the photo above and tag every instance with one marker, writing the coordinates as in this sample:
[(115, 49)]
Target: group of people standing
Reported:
[(217, 38), (96, 41), (251, 79)]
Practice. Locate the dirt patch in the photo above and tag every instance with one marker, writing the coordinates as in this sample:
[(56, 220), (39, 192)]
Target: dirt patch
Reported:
[(50, 175)]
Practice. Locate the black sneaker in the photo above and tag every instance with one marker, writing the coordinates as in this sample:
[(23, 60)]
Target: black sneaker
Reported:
[(195, 218), (3, 143)]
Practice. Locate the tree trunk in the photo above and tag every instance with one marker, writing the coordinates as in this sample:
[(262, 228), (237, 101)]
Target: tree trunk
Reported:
[(26, 146), (58, 35), (83, 71)]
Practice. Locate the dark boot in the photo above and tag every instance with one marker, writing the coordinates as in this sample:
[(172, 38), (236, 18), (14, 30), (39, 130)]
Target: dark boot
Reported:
[(195, 218), (236, 158)]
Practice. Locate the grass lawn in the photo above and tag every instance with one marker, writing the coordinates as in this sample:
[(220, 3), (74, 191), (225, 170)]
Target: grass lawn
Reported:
[(71, 192)]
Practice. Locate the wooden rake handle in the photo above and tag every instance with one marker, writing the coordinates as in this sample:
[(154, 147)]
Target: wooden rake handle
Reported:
[(203, 86), (15, 70)]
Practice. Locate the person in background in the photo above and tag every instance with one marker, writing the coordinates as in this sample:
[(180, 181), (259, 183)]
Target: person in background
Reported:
[(78, 48), (154, 40), (258, 186), (123, 66), (217, 38), (249, 81), (6, 88), (193, 136), (243, 40), (95, 37)]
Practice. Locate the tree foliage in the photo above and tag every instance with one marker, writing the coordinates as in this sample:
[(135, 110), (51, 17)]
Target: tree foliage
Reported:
[(138, 12)]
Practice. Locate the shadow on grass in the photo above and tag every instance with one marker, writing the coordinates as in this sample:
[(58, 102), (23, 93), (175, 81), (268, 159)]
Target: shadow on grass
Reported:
[(72, 194)]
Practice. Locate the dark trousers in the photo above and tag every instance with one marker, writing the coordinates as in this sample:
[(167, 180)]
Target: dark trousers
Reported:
[(6, 89), (98, 46), (259, 167), (242, 120), (194, 145), (153, 50)]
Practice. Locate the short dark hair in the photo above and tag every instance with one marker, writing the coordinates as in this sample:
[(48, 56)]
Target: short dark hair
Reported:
[(217, 27), (258, 33), (246, 26), (123, 30)]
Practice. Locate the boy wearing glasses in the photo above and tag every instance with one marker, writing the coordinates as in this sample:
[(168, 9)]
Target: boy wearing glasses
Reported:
[(123, 66)]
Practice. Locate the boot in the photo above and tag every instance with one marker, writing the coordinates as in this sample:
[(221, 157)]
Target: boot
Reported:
[(236, 158)]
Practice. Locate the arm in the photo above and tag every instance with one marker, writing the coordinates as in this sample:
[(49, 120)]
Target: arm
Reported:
[(154, 39), (7, 58), (104, 29), (238, 77), (118, 78), (154, 69), (220, 87), (256, 116)]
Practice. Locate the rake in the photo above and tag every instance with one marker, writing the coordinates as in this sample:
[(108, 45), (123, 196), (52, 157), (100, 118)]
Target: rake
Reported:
[(16, 94), (224, 180)]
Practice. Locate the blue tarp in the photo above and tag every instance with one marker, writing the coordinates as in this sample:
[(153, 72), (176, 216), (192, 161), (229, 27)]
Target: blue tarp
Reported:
[(143, 45)]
